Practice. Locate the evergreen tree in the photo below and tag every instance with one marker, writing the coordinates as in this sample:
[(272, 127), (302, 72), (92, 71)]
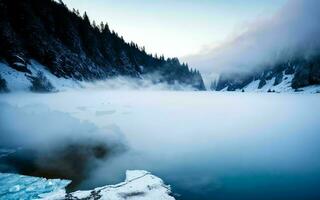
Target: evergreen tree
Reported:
[(101, 27), (70, 46), (94, 25), (86, 18), (62, 3)]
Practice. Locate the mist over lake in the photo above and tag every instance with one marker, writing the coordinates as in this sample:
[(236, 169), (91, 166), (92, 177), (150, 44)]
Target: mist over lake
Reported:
[(159, 100), (205, 145)]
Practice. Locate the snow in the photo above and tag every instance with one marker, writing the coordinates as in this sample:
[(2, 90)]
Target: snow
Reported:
[(139, 185), (252, 86), (18, 81), (61, 84), (19, 64), (19, 57), (283, 87)]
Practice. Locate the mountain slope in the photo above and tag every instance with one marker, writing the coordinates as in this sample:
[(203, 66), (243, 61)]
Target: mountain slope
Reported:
[(70, 46), (292, 75)]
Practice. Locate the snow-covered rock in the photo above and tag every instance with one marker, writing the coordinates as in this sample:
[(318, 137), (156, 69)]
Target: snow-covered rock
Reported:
[(283, 86), (139, 185)]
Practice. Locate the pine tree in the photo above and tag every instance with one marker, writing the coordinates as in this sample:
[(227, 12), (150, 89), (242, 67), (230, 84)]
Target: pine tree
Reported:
[(86, 18), (76, 47), (101, 27), (94, 25), (62, 3)]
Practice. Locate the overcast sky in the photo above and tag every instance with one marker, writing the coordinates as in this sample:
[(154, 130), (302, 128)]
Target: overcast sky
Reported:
[(292, 31), (176, 28)]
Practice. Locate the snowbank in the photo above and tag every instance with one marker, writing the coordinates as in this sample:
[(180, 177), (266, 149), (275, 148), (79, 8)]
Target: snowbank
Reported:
[(139, 185), (22, 81)]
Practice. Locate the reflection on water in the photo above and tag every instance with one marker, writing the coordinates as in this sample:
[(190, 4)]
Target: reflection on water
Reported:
[(207, 145)]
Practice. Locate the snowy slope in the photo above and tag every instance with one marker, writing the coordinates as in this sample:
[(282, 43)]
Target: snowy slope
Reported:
[(284, 86), (139, 185), (16, 81), (19, 81)]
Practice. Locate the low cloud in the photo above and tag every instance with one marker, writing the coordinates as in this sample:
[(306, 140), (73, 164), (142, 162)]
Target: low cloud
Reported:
[(147, 82), (53, 144), (293, 31)]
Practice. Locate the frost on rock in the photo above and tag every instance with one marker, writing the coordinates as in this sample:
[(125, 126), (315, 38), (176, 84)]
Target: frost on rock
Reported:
[(139, 185)]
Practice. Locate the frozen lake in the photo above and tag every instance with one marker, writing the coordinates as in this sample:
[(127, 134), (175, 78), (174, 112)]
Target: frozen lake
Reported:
[(206, 145)]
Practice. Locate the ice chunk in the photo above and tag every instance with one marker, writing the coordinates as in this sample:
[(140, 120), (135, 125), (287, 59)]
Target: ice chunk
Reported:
[(14, 186)]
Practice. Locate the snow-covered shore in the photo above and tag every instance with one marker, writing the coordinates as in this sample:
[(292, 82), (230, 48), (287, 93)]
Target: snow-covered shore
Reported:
[(20, 81), (17, 81), (139, 185)]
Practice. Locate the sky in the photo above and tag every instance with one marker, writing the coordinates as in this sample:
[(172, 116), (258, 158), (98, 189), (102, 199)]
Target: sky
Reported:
[(292, 31), (176, 28)]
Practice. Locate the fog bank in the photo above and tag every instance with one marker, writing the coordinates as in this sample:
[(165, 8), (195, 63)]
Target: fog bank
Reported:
[(200, 142), (53, 144), (293, 31)]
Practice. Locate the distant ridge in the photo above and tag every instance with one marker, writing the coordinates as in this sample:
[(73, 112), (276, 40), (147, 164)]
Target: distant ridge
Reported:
[(292, 75)]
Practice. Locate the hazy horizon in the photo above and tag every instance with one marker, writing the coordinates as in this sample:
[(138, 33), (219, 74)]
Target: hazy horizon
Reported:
[(214, 37), (176, 28)]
